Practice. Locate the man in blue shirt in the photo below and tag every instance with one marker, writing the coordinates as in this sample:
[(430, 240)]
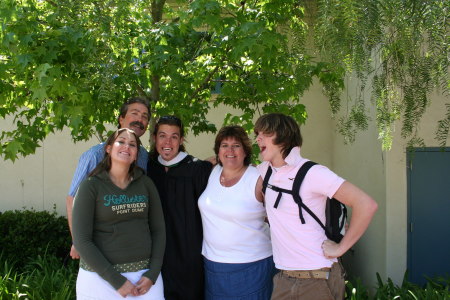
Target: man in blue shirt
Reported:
[(135, 115)]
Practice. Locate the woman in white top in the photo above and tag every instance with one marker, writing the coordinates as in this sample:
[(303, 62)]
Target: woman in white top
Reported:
[(236, 243)]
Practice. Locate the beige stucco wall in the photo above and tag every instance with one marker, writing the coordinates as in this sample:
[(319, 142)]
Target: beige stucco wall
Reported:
[(46, 175), (363, 164), (41, 181), (316, 133)]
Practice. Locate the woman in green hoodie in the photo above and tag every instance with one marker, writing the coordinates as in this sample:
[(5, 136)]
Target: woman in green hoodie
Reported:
[(118, 226)]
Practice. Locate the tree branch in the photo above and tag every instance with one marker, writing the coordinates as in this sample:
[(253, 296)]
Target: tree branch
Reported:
[(204, 83), (157, 10)]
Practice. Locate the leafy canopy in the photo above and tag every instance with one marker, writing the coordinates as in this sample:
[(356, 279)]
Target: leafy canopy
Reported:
[(72, 63)]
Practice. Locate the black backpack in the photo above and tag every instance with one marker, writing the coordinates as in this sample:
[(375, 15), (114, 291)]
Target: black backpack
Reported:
[(336, 212)]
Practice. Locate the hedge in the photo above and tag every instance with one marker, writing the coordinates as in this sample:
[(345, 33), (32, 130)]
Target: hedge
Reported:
[(26, 234)]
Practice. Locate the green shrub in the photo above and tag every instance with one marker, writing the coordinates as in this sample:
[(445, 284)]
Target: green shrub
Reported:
[(435, 289), (26, 234), (354, 290), (44, 278)]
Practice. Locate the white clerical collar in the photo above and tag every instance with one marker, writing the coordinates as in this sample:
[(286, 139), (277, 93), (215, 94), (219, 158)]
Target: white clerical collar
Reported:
[(180, 156)]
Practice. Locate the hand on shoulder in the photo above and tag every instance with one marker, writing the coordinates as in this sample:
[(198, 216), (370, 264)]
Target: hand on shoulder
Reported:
[(212, 160)]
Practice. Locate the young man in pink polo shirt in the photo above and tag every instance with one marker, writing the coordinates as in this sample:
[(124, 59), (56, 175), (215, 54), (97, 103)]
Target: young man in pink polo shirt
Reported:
[(306, 258)]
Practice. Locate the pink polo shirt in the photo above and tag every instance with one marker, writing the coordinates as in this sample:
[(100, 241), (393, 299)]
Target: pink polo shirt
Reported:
[(297, 246)]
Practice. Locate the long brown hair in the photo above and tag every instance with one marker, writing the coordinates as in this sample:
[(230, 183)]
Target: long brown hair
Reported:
[(105, 164)]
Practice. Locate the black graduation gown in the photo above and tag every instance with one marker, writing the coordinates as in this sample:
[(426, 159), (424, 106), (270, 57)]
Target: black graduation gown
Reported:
[(179, 189)]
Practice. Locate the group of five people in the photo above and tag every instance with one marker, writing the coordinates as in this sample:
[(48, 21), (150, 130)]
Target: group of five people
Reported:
[(204, 225)]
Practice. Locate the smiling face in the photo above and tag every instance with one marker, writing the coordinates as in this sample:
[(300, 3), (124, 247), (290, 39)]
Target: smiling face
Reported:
[(124, 149), (167, 141), (231, 153), (136, 118), (268, 150)]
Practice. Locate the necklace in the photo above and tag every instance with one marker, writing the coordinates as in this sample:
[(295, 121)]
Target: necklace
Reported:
[(227, 182)]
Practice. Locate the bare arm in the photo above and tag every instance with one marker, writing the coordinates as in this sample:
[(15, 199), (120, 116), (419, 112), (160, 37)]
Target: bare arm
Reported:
[(87, 162), (258, 190), (363, 208), (69, 205)]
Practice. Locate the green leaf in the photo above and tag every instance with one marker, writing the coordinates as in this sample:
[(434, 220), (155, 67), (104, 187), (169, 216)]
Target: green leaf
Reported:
[(39, 92), (24, 60), (12, 149), (41, 71)]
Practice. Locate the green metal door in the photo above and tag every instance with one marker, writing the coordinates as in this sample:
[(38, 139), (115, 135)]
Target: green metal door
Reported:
[(428, 213)]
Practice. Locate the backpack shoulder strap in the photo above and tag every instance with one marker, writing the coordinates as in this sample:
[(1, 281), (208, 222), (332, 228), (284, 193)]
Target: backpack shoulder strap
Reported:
[(296, 188), (273, 187), (296, 192), (266, 179), (301, 175)]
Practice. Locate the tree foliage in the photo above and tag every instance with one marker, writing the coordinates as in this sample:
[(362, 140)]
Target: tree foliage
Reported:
[(400, 49), (72, 63)]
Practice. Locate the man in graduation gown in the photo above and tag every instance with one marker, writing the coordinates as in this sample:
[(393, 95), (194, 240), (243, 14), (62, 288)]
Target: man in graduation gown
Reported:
[(180, 180)]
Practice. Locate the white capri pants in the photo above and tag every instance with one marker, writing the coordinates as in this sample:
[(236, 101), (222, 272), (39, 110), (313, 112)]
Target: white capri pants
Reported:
[(90, 286)]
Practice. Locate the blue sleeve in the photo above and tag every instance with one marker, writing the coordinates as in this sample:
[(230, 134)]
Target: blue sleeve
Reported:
[(88, 161), (143, 159)]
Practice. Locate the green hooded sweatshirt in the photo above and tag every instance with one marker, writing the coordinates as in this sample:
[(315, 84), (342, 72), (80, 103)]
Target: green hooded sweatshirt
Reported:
[(114, 228)]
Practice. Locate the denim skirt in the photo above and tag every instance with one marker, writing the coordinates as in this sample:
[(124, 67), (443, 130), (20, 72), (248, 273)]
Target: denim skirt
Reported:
[(242, 281)]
